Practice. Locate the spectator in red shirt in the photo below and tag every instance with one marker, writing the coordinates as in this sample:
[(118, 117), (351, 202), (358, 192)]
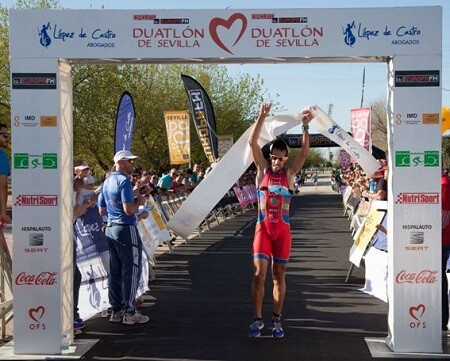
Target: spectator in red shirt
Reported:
[(445, 189)]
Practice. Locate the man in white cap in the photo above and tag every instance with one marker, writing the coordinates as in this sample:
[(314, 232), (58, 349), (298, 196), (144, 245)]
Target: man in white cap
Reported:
[(118, 201)]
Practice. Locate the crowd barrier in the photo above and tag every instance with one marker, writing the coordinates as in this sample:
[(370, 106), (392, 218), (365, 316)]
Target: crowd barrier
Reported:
[(365, 215), (6, 303)]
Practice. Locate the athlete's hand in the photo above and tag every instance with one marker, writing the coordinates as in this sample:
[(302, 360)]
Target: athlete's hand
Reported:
[(264, 110)]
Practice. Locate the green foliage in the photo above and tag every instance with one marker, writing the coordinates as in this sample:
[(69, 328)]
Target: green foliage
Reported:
[(446, 152), (5, 108), (155, 89)]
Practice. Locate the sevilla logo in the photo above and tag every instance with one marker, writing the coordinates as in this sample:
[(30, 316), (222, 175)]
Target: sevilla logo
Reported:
[(417, 312), (215, 23), (37, 313)]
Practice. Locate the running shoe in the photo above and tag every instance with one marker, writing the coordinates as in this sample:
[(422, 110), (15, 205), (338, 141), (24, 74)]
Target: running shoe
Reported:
[(137, 317), (116, 317), (255, 328), (277, 331), (78, 324)]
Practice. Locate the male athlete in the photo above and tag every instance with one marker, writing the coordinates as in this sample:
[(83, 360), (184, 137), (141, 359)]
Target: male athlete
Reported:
[(272, 242)]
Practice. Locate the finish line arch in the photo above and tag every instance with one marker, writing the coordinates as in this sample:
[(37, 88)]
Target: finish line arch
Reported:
[(45, 43)]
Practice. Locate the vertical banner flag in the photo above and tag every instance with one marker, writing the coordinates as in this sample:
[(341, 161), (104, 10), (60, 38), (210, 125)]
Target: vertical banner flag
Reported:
[(178, 136), (225, 142), (361, 127), (203, 116), (124, 123)]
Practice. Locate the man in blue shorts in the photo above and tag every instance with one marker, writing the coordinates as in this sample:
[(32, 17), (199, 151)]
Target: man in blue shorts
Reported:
[(118, 201)]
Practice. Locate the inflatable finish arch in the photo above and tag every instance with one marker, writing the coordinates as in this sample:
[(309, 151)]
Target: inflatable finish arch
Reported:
[(45, 43)]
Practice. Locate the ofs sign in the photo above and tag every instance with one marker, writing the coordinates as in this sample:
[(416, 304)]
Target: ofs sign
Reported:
[(33, 80), (416, 78)]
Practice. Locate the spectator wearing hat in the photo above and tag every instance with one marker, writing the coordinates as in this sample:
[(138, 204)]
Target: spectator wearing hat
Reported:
[(380, 176), (118, 201), (272, 241)]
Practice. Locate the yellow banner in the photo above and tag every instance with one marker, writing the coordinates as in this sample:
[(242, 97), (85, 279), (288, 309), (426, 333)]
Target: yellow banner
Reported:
[(445, 119), (368, 229), (225, 142), (178, 139)]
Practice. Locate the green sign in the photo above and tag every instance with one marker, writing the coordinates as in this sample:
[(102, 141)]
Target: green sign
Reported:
[(428, 158), (33, 161)]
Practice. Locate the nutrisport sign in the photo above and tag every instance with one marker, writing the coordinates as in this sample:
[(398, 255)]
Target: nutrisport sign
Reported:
[(43, 44)]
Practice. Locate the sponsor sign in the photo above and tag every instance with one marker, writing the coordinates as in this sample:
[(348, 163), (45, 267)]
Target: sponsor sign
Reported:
[(36, 318), (33, 80), (48, 121), (417, 198), (416, 78), (425, 276), (427, 158), (96, 37), (34, 200), (417, 315), (355, 31), (33, 161), (36, 243), (44, 278)]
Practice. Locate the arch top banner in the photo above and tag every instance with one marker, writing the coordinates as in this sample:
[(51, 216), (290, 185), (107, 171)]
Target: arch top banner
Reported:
[(276, 34)]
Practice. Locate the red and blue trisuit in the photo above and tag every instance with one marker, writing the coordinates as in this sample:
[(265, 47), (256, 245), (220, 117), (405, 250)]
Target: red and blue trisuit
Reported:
[(273, 231)]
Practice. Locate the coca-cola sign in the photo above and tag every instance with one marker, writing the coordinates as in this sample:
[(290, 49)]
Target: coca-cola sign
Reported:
[(44, 278), (424, 276)]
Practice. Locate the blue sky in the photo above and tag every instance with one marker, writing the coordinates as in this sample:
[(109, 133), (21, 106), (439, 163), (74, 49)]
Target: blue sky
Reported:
[(300, 85)]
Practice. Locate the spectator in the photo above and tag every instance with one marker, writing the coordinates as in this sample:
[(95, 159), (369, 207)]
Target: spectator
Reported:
[(153, 184), (315, 179), (445, 191), (79, 209), (5, 172), (381, 188), (119, 203), (166, 181)]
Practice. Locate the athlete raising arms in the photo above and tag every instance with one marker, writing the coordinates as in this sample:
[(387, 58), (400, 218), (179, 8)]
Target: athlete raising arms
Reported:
[(272, 242)]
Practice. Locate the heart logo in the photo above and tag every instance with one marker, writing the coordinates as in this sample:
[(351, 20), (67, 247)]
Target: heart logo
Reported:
[(417, 312), (216, 22), (36, 313)]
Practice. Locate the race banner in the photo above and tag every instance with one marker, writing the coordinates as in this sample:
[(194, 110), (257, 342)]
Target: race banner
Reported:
[(92, 259), (203, 116), (361, 127), (125, 117), (225, 142), (178, 136), (328, 127)]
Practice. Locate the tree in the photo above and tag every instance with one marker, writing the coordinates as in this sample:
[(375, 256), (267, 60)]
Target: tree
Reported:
[(155, 89), (379, 123)]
